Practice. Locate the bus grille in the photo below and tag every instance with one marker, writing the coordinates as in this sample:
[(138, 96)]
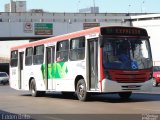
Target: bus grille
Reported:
[(130, 76)]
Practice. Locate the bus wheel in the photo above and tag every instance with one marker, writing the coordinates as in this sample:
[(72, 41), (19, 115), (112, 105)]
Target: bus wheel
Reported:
[(125, 95), (33, 90), (81, 90)]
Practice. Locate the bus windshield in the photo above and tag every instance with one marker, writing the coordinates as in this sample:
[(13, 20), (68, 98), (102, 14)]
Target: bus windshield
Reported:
[(126, 53)]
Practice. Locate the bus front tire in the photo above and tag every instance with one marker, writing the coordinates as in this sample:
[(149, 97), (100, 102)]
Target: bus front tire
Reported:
[(81, 90), (34, 91), (125, 95)]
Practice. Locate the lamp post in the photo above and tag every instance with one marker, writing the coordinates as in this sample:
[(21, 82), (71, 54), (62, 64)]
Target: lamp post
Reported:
[(68, 25), (129, 8), (142, 6), (94, 6), (78, 5)]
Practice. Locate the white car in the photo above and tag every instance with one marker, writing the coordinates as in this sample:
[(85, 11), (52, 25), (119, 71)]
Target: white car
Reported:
[(4, 78)]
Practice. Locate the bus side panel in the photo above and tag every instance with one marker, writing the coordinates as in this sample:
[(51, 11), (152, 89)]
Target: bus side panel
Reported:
[(14, 78), (69, 71), (28, 74), (38, 76)]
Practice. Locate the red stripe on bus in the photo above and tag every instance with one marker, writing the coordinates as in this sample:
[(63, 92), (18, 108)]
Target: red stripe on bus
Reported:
[(101, 69)]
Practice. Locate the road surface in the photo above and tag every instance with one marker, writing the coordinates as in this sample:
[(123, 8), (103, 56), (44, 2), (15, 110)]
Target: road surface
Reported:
[(55, 106)]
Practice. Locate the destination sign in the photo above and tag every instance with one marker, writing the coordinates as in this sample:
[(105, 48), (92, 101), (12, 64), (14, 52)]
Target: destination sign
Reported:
[(123, 31)]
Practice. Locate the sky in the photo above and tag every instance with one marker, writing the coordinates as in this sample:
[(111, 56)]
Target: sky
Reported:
[(105, 6)]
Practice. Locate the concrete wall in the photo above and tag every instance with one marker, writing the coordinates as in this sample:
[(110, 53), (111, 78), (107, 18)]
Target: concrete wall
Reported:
[(13, 24), (16, 29)]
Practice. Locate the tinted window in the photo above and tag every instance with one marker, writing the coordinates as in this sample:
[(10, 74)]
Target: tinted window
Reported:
[(50, 54), (14, 58), (62, 50), (126, 53), (77, 48), (28, 56), (3, 75), (156, 68), (38, 54)]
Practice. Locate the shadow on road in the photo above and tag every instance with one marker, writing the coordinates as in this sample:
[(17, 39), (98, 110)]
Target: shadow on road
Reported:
[(111, 98), (136, 97)]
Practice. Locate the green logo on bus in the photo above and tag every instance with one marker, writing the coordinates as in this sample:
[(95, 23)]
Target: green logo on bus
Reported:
[(55, 70)]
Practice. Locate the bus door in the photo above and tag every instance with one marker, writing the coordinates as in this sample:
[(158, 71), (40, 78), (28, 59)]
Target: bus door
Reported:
[(20, 69), (93, 63), (49, 67)]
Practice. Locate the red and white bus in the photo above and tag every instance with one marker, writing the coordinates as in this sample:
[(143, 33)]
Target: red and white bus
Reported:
[(111, 59)]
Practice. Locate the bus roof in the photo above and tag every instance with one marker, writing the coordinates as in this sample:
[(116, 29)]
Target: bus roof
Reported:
[(68, 36), (59, 38)]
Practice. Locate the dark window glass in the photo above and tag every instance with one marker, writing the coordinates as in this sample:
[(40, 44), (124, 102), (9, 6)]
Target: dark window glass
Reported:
[(50, 54), (38, 55), (3, 74), (156, 68), (28, 57), (53, 54), (62, 50), (77, 49), (14, 58)]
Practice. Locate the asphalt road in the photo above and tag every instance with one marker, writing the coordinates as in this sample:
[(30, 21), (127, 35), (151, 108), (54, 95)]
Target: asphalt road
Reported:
[(55, 106)]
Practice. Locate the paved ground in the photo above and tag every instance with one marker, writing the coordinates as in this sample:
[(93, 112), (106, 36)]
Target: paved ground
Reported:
[(58, 107)]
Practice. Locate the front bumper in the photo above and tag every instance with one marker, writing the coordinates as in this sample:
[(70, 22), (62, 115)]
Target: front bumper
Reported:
[(113, 86)]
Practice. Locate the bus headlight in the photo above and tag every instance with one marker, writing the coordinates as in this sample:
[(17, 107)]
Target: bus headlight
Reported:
[(158, 75)]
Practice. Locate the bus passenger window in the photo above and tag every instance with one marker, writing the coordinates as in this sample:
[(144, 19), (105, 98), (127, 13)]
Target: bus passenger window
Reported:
[(38, 55), (28, 56), (14, 58), (62, 51), (77, 49)]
